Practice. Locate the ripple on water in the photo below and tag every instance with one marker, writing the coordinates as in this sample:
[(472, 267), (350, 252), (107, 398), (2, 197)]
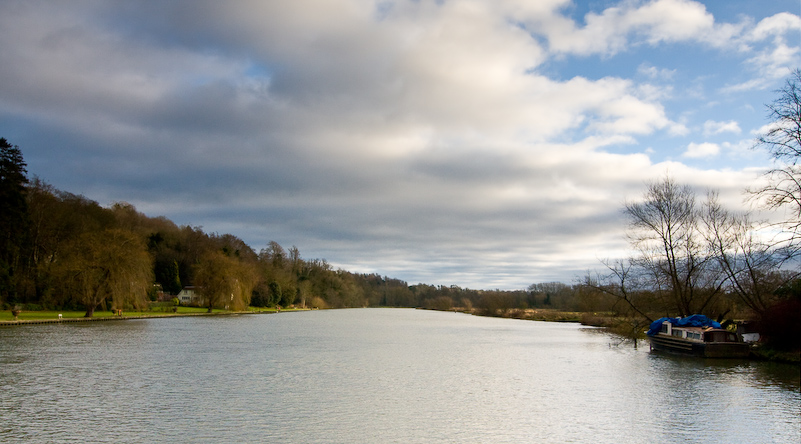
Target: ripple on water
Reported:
[(375, 375)]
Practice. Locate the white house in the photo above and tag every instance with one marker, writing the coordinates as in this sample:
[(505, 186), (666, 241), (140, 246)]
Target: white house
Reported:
[(188, 296)]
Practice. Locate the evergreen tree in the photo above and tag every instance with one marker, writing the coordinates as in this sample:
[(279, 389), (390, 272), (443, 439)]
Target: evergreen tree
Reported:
[(13, 219), (174, 281)]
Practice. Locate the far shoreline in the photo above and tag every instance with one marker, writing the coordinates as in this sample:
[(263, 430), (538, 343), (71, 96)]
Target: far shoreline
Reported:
[(600, 320), (52, 317)]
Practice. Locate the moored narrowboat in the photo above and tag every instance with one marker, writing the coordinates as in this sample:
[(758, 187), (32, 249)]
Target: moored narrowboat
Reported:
[(696, 335)]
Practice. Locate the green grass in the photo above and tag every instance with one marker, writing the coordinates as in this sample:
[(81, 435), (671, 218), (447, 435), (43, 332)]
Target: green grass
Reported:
[(5, 315)]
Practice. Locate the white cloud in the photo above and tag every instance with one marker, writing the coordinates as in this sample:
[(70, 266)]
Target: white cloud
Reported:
[(764, 129), (670, 20), (773, 57), (618, 27), (654, 22), (655, 73), (414, 140), (701, 150), (776, 62), (744, 149), (678, 129), (712, 128), (775, 26)]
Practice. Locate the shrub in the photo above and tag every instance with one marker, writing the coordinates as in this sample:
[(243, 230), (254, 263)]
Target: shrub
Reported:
[(318, 302)]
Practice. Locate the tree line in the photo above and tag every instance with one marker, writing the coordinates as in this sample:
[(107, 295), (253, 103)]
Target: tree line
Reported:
[(61, 250), (689, 254), (64, 251)]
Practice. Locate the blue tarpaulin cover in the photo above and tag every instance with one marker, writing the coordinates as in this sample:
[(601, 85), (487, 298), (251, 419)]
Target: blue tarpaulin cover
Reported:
[(695, 320)]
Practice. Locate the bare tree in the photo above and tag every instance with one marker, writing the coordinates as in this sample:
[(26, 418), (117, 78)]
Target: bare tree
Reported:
[(752, 266), (622, 283), (663, 228), (782, 140)]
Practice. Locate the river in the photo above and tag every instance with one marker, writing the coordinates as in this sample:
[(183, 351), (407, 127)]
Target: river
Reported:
[(376, 376)]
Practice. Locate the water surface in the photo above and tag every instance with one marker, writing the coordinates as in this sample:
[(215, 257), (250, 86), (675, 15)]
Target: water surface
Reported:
[(376, 376)]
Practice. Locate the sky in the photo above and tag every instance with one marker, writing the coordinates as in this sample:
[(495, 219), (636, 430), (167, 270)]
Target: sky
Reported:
[(485, 144)]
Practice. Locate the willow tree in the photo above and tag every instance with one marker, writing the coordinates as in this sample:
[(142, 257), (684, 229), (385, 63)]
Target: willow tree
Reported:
[(224, 281), (107, 267)]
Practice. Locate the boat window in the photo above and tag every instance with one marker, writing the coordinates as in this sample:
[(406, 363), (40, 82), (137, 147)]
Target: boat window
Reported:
[(678, 333), (664, 328), (715, 336)]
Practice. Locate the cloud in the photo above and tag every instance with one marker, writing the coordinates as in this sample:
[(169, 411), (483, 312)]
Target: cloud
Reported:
[(745, 149), (776, 26), (773, 59), (701, 150), (764, 129), (621, 27), (432, 141), (655, 73), (615, 28), (713, 128)]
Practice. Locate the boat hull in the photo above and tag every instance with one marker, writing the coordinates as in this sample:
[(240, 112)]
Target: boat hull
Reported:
[(704, 349)]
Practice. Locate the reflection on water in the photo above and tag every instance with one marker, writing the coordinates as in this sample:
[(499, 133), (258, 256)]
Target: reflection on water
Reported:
[(376, 375)]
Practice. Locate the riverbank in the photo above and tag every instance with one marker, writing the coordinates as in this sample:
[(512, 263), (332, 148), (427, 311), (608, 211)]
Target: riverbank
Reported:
[(763, 353), (627, 328), (51, 316), (304, 377), (623, 327), (528, 314), (54, 316)]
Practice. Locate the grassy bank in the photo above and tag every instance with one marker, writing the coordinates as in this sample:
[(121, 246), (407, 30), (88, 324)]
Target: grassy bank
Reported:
[(6, 315), (624, 327), (536, 314), (48, 315), (528, 314), (629, 328), (769, 354)]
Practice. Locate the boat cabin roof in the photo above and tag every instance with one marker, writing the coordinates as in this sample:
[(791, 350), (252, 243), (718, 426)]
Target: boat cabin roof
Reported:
[(691, 328), (699, 329)]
